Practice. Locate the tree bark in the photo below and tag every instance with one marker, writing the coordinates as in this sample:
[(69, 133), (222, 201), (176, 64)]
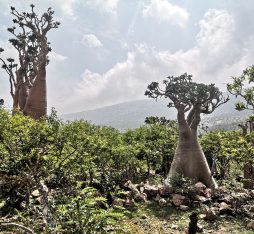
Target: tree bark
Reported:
[(36, 103), (189, 159)]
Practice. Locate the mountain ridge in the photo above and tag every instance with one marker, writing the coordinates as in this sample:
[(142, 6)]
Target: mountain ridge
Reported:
[(132, 114)]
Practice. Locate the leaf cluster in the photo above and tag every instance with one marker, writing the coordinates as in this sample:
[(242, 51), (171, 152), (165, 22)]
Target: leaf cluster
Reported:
[(185, 93), (242, 86)]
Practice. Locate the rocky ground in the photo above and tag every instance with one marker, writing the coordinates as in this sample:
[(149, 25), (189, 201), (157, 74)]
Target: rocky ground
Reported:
[(154, 209)]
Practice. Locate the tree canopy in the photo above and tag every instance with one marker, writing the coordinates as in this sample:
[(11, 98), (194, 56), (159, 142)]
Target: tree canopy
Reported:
[(242, 86), (186, 95)]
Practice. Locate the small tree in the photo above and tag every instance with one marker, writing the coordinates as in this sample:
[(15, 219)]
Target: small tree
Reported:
[(242, 86), (27, 77), (195, 99)]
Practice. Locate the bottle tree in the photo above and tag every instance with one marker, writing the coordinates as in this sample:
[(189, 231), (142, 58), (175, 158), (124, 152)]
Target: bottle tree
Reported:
[(27, 76), (242, 86), (190, 100)]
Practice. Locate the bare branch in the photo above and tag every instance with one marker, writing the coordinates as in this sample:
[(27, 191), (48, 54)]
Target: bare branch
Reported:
[(17, 225)]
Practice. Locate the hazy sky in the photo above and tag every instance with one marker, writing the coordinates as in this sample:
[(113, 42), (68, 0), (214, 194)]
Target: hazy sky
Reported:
[(107, 51)]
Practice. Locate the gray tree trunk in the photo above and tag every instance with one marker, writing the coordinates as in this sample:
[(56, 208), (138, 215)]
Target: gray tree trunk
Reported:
[(36, 102), (189, 159)]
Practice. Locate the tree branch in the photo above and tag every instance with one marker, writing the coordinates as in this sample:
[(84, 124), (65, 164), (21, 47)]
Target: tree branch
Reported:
[(18, 226)]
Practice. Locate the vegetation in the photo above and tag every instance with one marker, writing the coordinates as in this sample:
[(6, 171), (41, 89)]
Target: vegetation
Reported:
[(66, 176), (61, 160), (76, 177), (241, 86)]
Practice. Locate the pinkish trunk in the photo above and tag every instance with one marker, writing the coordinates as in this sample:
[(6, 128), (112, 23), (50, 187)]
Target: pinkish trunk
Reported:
[(36, 104), (189, 159)]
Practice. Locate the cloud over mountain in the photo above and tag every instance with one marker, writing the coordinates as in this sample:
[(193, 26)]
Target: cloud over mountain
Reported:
[(214, 59)]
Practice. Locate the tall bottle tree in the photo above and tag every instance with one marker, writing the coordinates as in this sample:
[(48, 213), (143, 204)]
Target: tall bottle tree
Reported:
[(27, 76), (192, 99)]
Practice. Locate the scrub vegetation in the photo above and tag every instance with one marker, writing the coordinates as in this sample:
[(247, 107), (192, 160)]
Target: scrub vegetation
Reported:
[(166, 176)]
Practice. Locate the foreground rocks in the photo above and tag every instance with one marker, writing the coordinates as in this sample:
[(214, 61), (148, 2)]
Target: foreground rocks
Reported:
[(210, 205), (210, 214), (220, 201), (251, 225)]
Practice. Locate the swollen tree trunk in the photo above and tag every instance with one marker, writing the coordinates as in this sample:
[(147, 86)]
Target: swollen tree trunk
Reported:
[(36, 104), (189, 159)]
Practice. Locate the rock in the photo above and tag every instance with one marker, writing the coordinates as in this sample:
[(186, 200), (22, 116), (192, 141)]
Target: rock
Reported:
[(227, 199), (186, 201), (219, 193), (247, 210), (200, 228), (150, 190), (210, 214), (251, 209), (141, 189), (22, 205), (44, 186), (164, 191), (202, 199), (143, 216), (178, 199), (242, 197), (174, 226), (162, 201), (129, 202), (226, 209), (140, 186), (35, 193), (158, 197), (208, 192), (220, 190), (140, 197), (195, 204), (118, 202), (200, 188), (252, 193), (240, 190), (216, 204), (251, 225), (38, 201), (184, 208), (169, 203), (131, 187)]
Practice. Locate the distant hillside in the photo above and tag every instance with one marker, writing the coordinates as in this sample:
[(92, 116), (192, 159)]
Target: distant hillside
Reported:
[(132, 114), (125, 115)]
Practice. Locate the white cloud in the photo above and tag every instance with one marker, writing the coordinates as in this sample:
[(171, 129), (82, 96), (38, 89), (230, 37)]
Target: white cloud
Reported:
[(91, 41), (164, 11), (67, 6), (214, 59), (55, 57), (109, 6)]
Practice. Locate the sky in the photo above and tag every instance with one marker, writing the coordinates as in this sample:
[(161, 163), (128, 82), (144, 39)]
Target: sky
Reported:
[(107, 51)]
